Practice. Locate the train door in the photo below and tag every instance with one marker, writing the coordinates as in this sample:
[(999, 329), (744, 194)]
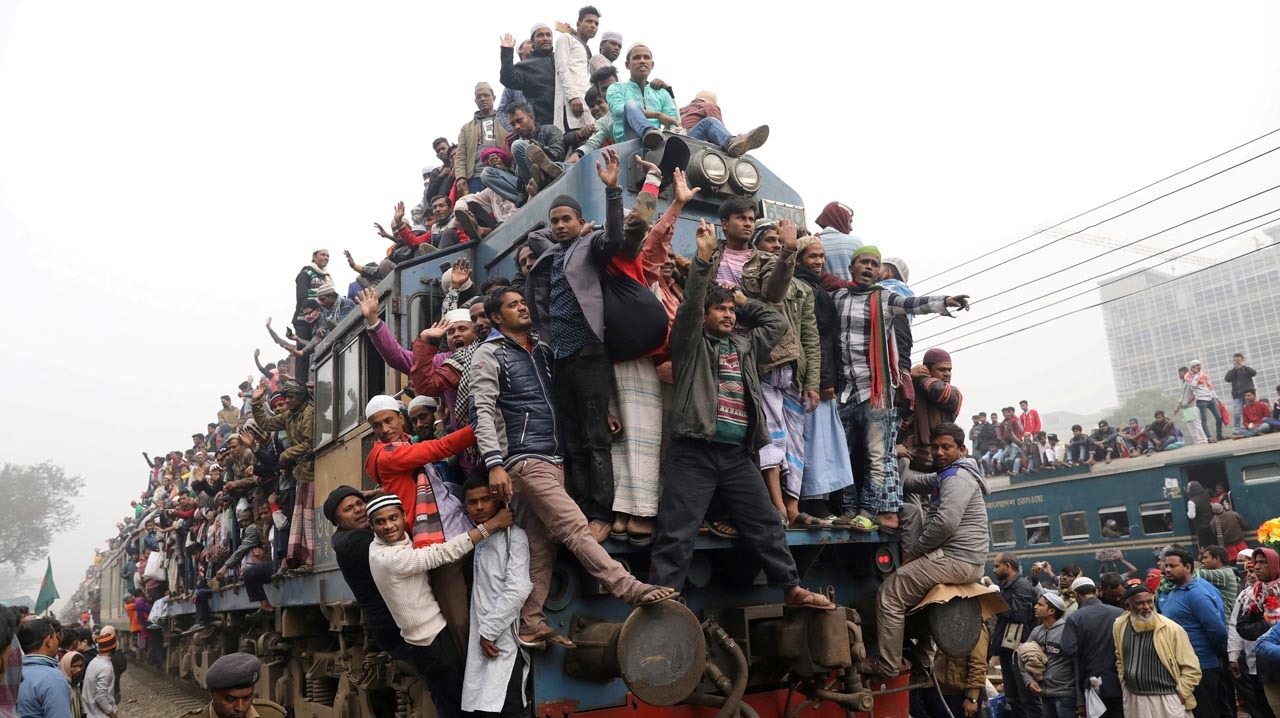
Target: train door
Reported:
[(1212, 475)]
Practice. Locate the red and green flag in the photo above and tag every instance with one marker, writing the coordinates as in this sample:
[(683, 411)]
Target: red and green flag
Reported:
[(48, 591)]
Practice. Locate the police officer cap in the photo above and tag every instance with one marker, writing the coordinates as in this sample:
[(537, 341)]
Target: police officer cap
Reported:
[(234, 670)]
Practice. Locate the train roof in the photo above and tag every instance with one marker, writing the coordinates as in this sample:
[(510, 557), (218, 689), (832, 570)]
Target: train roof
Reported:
[(1186, 455)]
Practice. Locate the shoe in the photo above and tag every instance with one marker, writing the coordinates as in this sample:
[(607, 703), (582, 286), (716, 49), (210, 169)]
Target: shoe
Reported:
[(468, 224), (744, 143), (652, 140), (260, 614), (195, 629), (538, 158)]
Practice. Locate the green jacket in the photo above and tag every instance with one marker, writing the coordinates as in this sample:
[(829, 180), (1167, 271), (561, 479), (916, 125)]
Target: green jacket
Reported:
[(767, 277), (695, 360), (299, 427), (799, 307)]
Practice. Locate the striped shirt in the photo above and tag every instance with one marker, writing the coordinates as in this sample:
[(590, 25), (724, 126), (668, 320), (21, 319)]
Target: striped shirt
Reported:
[(731, 404), (854, 309), (1143, 671)]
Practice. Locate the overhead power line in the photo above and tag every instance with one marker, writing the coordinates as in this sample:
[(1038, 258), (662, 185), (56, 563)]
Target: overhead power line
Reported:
[(1042, 277), (1098, 223), (931, 338), (1108, 301)]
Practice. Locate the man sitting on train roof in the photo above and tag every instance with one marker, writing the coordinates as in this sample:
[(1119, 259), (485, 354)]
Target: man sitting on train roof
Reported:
[(638, 108), (951, 547), (703, 121), (1255, 417), (400, 570), (1103, 443), (480, 212), (714, 441), (1162, 433), (538, 150)]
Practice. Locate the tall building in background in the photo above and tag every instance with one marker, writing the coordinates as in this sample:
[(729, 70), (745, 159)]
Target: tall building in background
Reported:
[(1207, 315)]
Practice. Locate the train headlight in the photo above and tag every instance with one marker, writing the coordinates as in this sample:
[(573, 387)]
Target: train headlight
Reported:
[(714, 168), (746, 177)]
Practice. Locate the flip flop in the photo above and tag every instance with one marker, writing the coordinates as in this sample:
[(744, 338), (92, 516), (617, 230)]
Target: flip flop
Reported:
[(843, 522), (810, 602), (544, 639), (805, 522), (717, 529), (641, 602), (863, 524), (640, 540)]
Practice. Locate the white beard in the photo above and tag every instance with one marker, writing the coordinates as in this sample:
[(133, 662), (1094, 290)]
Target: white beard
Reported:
[(1143, 622)]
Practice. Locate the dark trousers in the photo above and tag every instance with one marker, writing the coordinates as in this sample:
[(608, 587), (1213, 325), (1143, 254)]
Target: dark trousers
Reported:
[(204, 614), (1115, 707), (584, 382), (441, 668), (1206, 694), (695, 470), (513, 706), (255, 578), (930, 705)]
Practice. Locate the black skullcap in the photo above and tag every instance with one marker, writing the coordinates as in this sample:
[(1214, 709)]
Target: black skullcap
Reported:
[(1135, 589), (565, 200), (335, 498)]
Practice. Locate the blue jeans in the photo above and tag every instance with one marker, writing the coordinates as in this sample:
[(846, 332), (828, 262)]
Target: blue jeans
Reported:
[(1238, 406), (634, 123), (711, 130), (511, 186), (474, 185), (871, 434), (1059, 706), (1209, 407), (1264, 428), (1160, 444)]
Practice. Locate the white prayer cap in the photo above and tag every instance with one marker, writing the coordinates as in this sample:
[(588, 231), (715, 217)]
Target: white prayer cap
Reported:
[(458, 315), (428, 401), (381, 402)]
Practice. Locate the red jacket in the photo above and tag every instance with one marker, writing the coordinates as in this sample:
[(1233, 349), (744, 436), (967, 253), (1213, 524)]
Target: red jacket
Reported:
[(1030, 422), (428, 379), (394, 466), (1254, 413)]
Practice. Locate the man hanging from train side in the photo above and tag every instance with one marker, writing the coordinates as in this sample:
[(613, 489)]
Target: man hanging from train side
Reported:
[(951, 547)]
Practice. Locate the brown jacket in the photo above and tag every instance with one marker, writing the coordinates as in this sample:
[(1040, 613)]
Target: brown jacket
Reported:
[(966, 675), (767, 277)]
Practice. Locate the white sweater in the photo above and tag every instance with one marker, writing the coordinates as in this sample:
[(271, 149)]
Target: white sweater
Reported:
[(400, 572)]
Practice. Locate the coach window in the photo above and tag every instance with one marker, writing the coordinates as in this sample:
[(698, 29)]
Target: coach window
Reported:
[(1261, 473), (1074, 526), (324, 401), (1036, 529), (348, 389), (1002, 534), (1114, 521), (1157, 518)]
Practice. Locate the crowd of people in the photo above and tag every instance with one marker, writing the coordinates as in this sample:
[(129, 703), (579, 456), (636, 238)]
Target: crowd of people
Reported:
[(609, 390), (1009, 442), (1196, 637)]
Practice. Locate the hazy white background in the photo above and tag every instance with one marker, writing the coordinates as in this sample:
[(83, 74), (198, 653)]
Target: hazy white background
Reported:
[(165, 168)]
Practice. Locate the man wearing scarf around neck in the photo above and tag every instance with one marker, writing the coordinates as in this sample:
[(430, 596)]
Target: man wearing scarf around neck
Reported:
[(869, 380)]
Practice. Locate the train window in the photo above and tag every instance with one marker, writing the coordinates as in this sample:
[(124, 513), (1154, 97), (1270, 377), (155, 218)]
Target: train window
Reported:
[(348, 390), (1261, 473), (1002, 534), (1074, 526), (1157, 518), (324, 401), (1037, 530), (1114, 521)]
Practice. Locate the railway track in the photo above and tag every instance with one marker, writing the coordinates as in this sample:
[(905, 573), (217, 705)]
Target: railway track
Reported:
[(148, 693)]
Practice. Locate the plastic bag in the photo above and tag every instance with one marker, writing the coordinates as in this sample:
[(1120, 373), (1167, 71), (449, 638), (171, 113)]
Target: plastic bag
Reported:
[(1093, 705), (155, 567)]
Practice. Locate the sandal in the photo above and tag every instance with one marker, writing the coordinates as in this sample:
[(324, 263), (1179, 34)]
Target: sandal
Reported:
[(640, 600), (805, 522), (545, 638), (842, 521), (863, 524), (640, 531), (723, 529), (814, 601)]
